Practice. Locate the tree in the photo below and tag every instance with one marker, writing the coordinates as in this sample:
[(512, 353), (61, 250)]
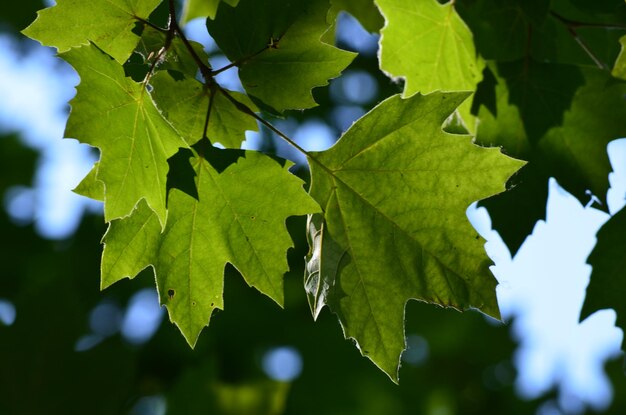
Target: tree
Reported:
[(386, 205)]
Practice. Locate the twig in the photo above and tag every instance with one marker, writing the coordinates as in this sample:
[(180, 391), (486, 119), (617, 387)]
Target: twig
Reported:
[(239, 62), (246, 110), (208, 111), (205, 69), (571, 26), (575, 24)]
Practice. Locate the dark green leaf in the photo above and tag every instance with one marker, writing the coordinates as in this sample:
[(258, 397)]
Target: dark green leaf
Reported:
[(277, 46), (607, 287), (365, 12), (573, 150)]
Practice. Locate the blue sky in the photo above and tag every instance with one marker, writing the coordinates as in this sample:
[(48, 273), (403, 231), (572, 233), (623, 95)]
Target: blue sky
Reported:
[(541, 289)]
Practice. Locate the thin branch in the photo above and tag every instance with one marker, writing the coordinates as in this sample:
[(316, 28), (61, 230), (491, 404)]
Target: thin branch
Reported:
[(241, 61), (588, 51), (571, 26), (205, 69), (168, 42), (575, 24), (152, 25), (246, 110), (208, 111)]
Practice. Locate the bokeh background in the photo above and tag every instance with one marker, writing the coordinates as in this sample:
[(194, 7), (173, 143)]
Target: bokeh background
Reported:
[(68, 348)]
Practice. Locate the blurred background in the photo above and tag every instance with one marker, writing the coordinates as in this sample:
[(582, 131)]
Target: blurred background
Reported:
[(68, 348)]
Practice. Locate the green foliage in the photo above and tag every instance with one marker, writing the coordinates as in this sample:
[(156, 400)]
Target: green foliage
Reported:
[(70, 23), (203, 8), (237, 217), (442, 57), (607, 288), (117, 115), (184, 103), (387, 203), (364, 10), (278, 50), (380, 253)]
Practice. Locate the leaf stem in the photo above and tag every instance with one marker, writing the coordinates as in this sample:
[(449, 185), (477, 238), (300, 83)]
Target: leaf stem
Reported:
[(152, 25), (212, 88), (571, 26), (208, 75), (246, 110), (575, 24), (205, 69), (239, 62)]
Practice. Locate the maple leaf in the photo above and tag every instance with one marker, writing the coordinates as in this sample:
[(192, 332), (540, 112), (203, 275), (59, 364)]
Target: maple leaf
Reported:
[(365, 11), (619, 68), (108, 23), (607, 286), (176, 57), (203, 8), (278, 49), (429, 45), (117, 115), (394, 191), (238, 217), (185, 103), (566, 141)]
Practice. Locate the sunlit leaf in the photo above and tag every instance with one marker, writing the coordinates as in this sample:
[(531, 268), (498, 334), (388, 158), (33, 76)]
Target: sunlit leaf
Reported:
[(203, 8), (238, 217), (111, 24), (185, 103), (117, 115), (394, 191)]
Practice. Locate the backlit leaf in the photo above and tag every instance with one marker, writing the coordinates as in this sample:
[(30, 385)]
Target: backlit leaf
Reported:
[(394, 191), (429, 45), (185, 103), (111, 24), (239, 218), (203, 8), (117, 115)]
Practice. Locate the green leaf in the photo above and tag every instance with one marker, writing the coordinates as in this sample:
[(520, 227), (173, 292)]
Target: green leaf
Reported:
[(607, 286), (541, 92), (238, 218), (203, 8), (559, 41), (365, 11), (277, 46), (130, 245), (117, 115), (619, 69), (429, 45), (176, 57), (90, 186), (500, 28), (185, 102), (572, 149), (111, 24), (394, 191)]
